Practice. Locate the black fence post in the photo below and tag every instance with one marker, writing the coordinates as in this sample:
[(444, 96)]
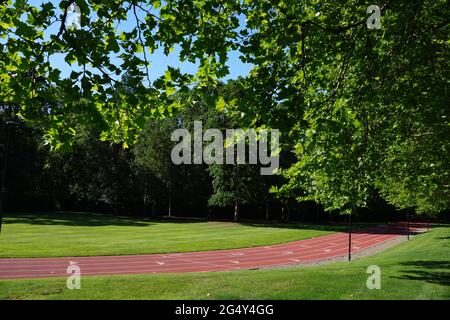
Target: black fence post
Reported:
[(350, 237)]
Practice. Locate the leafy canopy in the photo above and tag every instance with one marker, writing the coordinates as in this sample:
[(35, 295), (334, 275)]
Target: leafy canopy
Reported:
[(354, 104)]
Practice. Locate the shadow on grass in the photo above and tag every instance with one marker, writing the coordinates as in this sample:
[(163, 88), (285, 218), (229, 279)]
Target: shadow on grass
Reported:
[(95, 219), (72, 219), (436, 272), (91, 219)]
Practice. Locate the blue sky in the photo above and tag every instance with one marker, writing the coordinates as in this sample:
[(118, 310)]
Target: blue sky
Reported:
[(159, 61)]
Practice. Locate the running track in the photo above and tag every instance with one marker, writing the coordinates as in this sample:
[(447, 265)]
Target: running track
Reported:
[(303, 251)]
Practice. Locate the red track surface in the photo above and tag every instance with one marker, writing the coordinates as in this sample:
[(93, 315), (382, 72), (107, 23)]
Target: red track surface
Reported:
[(303, 251)]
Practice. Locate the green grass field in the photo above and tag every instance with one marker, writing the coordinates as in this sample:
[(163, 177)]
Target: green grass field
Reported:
[(418, 269), (84, 234)]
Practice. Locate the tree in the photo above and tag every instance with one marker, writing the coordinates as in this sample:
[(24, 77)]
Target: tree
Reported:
[(355, 90), (93, 175), (233, 185), (93, 51), (341, 93), (152, 155), (417, 176)]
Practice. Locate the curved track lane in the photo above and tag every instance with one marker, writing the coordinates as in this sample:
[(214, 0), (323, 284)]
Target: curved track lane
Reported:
[(303, 251)]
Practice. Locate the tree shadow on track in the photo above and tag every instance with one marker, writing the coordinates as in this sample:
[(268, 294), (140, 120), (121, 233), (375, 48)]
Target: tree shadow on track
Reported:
[(357, 228), (332, 227)]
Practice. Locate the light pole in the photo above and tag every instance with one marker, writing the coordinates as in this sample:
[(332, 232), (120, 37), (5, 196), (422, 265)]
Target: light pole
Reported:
[(9, 124)]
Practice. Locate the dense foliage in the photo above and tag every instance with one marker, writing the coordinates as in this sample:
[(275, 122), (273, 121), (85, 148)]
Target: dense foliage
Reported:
[(365, 111)]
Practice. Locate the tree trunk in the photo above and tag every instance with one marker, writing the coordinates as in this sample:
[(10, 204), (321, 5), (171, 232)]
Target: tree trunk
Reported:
[(236, 211), (116, 210), (5, 170), (170, 205), (267, 210), (145, 197)]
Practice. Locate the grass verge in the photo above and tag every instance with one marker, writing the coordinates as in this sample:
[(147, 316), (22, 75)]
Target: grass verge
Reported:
[(84, 234), (418, 269)]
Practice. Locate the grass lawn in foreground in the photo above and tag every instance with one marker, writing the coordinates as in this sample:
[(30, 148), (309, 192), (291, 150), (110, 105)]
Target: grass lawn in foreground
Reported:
[(418, 269), (85, 234)]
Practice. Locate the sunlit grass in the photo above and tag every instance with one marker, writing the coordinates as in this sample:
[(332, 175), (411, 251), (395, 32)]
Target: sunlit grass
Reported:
[(84, 234), (418, 269)]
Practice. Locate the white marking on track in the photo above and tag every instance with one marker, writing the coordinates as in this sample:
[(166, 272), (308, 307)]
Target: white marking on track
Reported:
[(160, 263), (235, 262)]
